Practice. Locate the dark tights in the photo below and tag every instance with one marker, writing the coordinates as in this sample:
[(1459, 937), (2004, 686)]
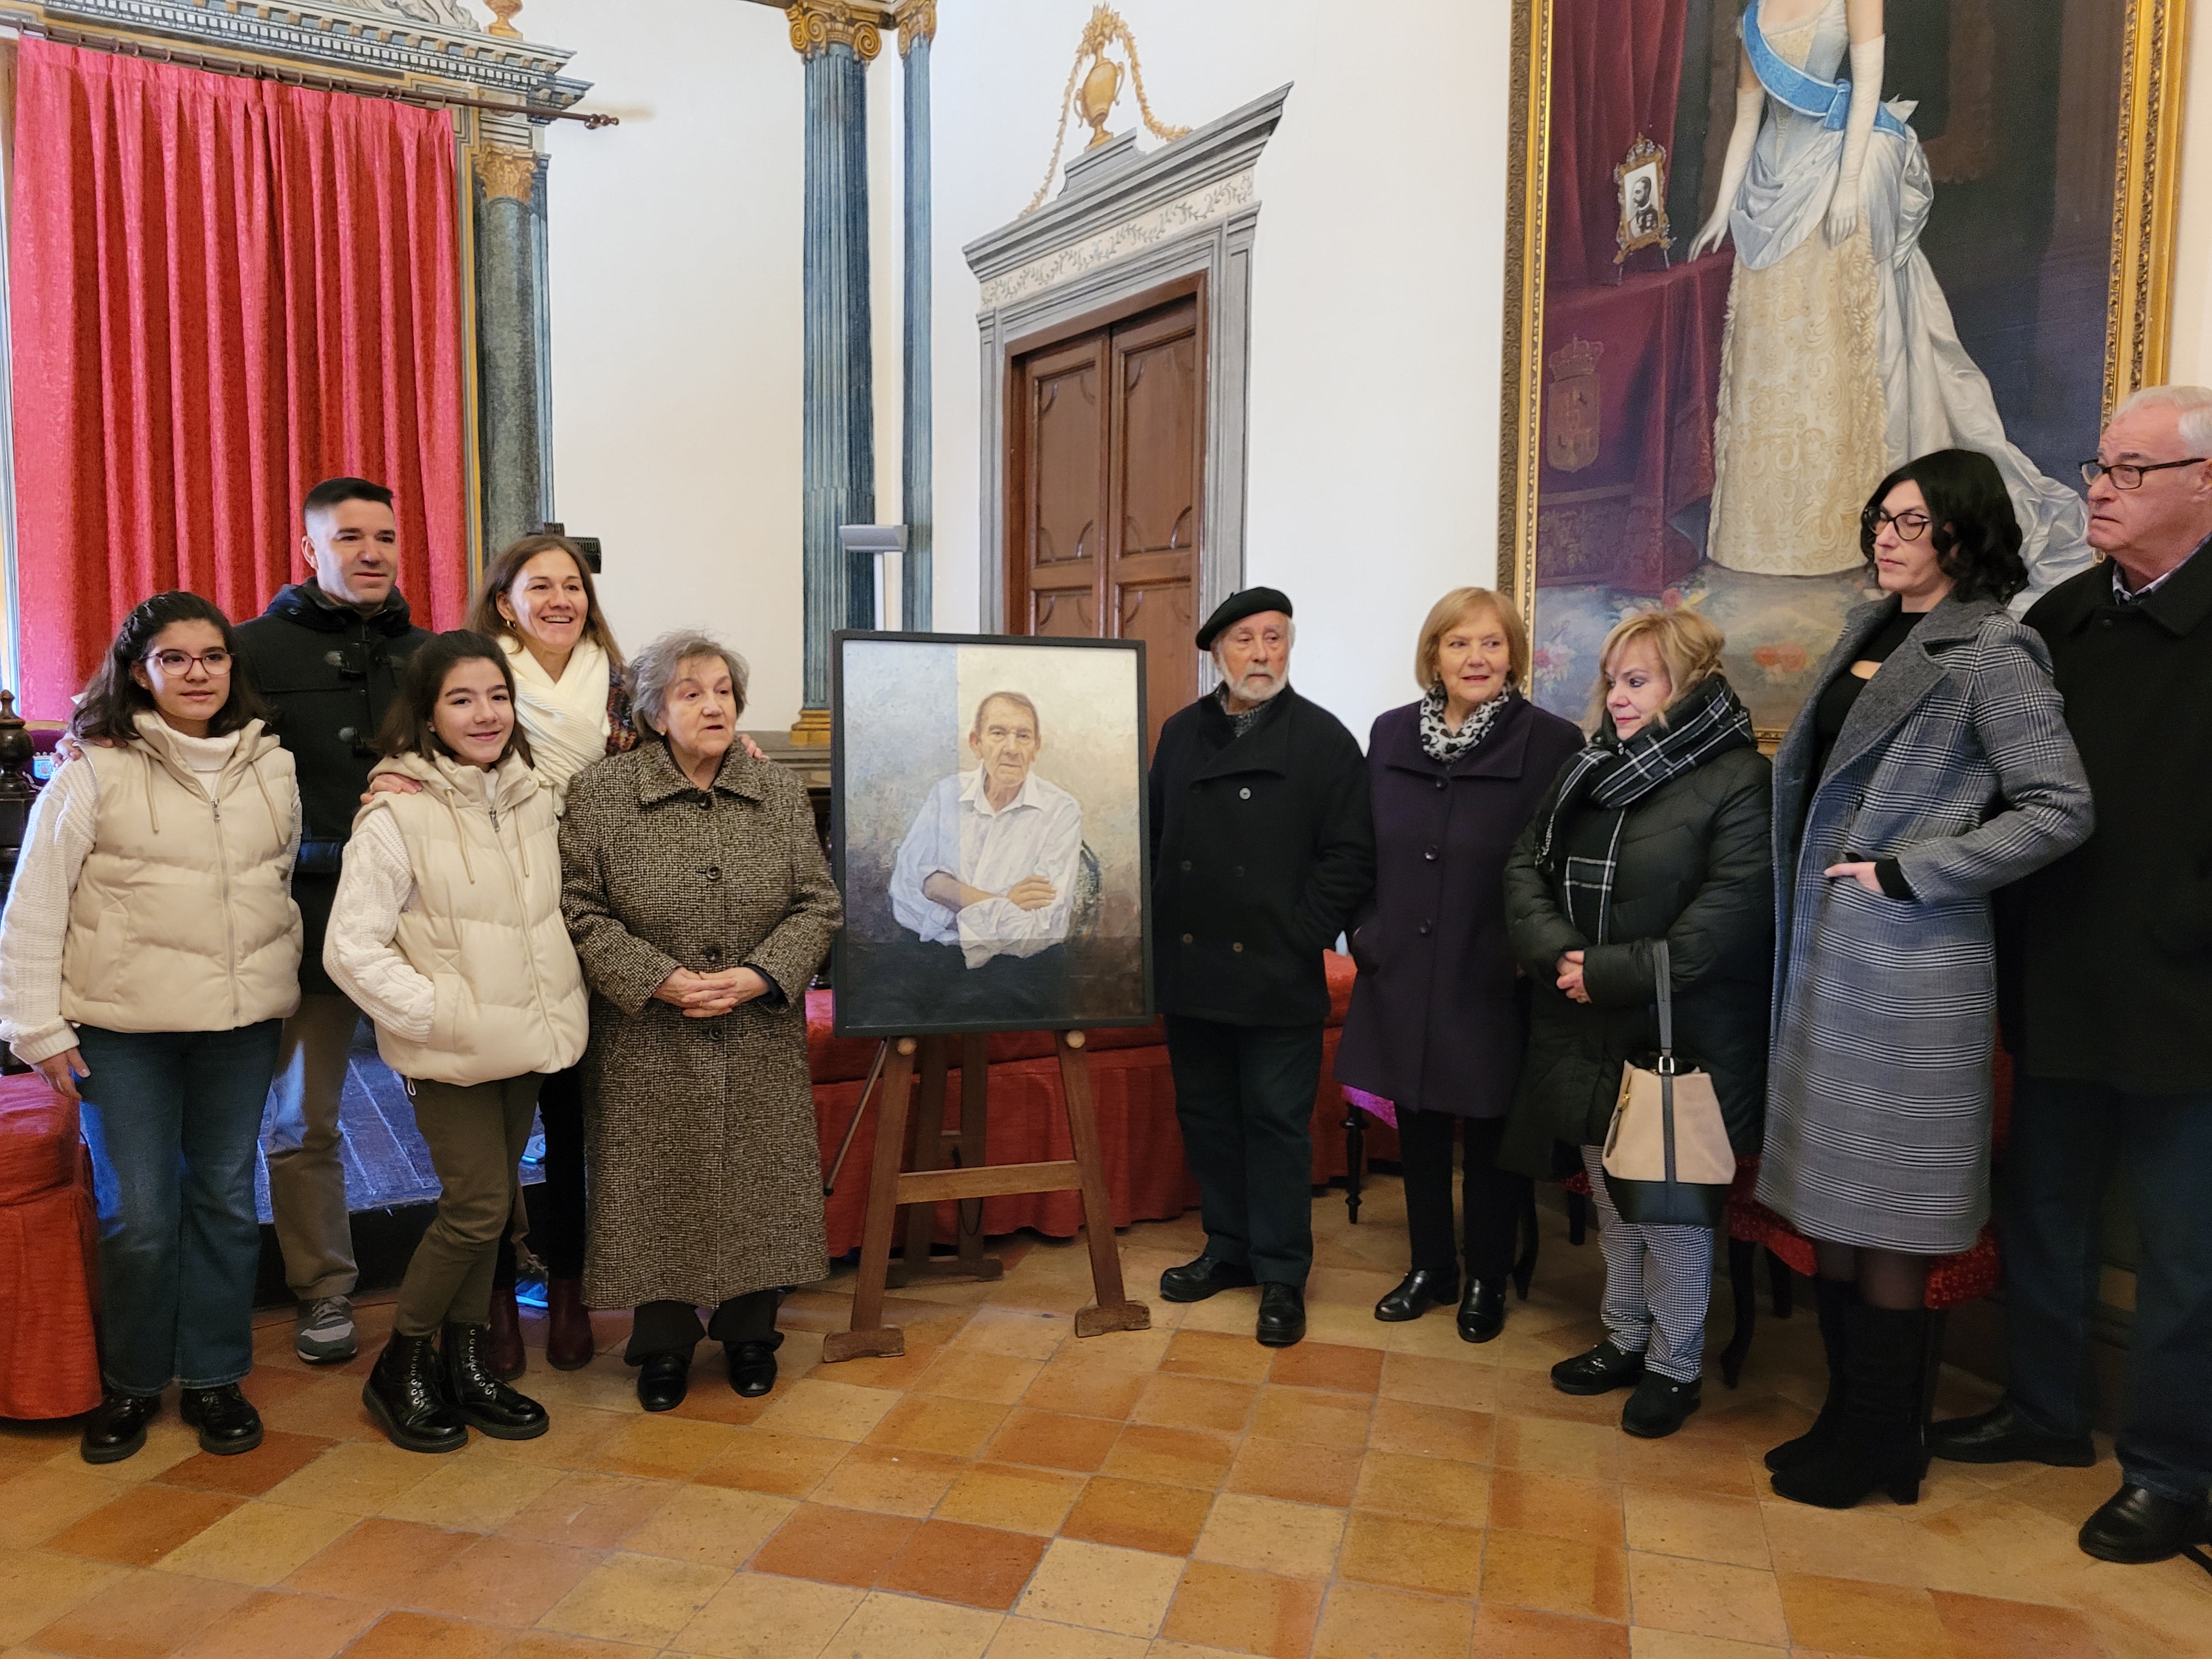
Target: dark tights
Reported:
[(1886, 1279)]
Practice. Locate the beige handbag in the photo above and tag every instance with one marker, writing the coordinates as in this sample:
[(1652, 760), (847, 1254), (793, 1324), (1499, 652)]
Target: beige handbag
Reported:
[(1667, 1161)]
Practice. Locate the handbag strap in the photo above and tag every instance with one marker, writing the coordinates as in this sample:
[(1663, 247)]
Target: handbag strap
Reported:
[(1662, 970)]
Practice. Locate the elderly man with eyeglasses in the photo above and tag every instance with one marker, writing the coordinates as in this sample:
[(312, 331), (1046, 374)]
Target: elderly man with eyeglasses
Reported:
[(2107, 959)]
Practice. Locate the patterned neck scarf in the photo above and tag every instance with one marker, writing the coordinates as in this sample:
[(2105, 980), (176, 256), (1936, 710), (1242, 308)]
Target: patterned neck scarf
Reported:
[(1444, 745), (1241, 721)]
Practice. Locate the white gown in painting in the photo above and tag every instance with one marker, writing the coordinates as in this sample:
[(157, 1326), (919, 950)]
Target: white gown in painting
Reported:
[(1840, 359)]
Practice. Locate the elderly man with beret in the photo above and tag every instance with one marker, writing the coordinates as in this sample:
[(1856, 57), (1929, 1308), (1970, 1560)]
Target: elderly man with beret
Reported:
[(1262, 847)]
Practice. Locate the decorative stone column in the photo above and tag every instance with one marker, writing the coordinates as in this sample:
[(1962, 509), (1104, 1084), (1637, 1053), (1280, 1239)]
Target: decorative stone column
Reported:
[(917, 27), (837, 441), (513, 401)]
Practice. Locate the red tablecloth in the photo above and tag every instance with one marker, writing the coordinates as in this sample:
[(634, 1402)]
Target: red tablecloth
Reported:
[(49, 1356)]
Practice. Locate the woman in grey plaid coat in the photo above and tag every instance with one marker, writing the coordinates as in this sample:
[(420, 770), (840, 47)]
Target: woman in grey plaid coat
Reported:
[(1930, 766)]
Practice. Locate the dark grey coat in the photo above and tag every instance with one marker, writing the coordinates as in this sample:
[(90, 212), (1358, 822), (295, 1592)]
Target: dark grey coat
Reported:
[(1956, 762)]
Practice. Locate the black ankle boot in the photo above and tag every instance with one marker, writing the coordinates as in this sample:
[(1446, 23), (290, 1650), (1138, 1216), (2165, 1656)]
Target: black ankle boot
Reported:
[(405, 1394), (1836, 1299), (1876, 1446), (475, 1391), (117, 1427)]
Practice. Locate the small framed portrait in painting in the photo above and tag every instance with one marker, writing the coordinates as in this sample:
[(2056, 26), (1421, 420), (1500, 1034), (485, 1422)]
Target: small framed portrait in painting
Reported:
[(1640, 181), (987, 829)]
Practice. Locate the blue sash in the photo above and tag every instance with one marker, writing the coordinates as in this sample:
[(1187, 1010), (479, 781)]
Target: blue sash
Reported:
[(1829, 102)]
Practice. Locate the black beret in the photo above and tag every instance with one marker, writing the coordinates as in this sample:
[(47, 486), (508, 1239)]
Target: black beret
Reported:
[(1237, 606)]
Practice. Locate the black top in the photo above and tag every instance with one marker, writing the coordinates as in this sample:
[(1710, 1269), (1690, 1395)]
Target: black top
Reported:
[(1835, 708)]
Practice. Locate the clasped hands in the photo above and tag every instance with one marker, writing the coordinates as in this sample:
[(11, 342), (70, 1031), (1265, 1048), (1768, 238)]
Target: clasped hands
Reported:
[(709, 996), (1030, 893)]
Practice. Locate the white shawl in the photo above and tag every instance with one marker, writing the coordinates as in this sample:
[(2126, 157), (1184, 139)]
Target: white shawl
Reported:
[(565, 719)]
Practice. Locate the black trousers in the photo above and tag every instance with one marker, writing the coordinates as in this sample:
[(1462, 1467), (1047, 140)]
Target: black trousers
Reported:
[(1492, 1199), (556, 1205), (1244, 1097), (674, 1327)]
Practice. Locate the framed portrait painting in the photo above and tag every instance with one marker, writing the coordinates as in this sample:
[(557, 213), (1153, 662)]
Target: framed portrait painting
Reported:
[(1899, 226), (987, 829)]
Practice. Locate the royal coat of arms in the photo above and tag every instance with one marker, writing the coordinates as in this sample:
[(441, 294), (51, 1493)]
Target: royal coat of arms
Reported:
[(1572, 425)]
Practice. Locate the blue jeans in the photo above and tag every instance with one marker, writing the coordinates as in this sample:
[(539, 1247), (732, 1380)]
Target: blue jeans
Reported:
[(172, 1118), (2065, 1138)]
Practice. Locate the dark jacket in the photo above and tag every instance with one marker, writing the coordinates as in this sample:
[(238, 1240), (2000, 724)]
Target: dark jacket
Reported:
[(1262, 849), (2107, 952), (1435, 1022), (330, 672), (1694, 865)]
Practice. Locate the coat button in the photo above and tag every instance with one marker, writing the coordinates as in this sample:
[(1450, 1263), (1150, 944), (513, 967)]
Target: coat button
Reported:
[(1440, 783), (1431, 855), (1240, 869), (1187, 938), (345, 734), (707, 800), (1186, 865), (1244, 795), (1424, 929), (1238, 948), (714, 871), (713, 952)]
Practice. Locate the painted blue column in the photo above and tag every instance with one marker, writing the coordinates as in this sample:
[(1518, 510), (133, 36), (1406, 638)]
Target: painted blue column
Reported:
[(917, 25), (838, 455)]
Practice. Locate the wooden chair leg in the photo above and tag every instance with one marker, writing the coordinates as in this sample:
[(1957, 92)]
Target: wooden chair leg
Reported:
[(1524, 1264), (1743, 1289), (869, 1335), (1780, 1286), (1355, 1157), (1111, 1309)]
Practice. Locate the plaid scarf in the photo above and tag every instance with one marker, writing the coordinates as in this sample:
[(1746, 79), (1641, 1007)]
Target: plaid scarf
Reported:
[(1444, 745), (1616, 775)]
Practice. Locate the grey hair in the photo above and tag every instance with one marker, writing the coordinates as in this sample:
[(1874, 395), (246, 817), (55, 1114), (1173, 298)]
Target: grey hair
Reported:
[(655, 669), (2192, 403)]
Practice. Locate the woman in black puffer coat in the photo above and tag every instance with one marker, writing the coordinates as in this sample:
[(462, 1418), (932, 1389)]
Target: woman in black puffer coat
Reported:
[(1659, 830)]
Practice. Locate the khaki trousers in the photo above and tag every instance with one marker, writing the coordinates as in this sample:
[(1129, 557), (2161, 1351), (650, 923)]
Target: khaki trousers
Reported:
[(477, 1135), (306, 1167)]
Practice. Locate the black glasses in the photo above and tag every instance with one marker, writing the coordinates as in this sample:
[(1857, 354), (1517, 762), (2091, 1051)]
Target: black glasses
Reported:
[(2129, 474), (216, 661), (1910, 525)]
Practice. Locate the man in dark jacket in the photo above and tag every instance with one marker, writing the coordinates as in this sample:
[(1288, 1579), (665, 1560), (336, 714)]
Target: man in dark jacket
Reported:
[(326, 654), (1262, 847), (2107, 960)]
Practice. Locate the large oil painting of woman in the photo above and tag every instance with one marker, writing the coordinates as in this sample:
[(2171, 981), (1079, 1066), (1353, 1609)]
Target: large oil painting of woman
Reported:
[(1896, 226)]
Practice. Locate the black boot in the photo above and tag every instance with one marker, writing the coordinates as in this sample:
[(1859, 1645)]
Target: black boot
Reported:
[(1836, 1299), (476, 1392), (1417, 1292), (403, 1394), (117, 1427), (226, 1419), (1482, 1310), (1876, 1447)]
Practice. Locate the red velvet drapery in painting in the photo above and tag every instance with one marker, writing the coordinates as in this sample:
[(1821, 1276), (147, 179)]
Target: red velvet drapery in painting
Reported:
[(223, 290), (1616, 72)]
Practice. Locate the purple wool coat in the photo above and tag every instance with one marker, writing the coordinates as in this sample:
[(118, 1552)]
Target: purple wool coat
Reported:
[(1435, 1022)]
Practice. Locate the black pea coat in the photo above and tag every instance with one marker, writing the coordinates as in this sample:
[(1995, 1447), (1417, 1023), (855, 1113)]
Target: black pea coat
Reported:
[(1695, 867), (2106, 954), (331, 673), (1263, 850), (1435, 1024)]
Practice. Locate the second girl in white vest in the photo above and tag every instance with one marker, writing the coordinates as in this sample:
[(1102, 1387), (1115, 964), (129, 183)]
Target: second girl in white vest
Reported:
[(447, 932)]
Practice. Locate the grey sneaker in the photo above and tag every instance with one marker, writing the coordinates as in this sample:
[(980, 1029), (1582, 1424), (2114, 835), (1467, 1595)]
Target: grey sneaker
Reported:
[(324, 1334)]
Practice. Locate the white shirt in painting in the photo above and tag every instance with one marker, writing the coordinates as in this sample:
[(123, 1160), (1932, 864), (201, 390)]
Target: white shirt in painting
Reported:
[(1038, 833)]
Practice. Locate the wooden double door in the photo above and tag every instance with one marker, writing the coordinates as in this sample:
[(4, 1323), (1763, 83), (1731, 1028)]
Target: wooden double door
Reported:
[(1107, 448)]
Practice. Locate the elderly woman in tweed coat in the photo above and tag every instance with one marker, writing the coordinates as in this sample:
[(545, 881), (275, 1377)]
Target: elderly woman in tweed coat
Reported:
[(700, 905), (1930, 766)]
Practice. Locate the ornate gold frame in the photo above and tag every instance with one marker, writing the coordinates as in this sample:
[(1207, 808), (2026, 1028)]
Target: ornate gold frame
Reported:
[(2145, 220)]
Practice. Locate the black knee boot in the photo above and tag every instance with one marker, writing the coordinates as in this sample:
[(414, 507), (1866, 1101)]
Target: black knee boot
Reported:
[(1876, 1446), (1836, 1299)]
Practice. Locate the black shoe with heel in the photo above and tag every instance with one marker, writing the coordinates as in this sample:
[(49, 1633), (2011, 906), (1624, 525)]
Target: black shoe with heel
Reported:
[(117, 1426), (1482, 1310), (1836, 1298), (1875, 1446), (226, 1419), (476, 1391), (1417, 1292), (407, 1397)]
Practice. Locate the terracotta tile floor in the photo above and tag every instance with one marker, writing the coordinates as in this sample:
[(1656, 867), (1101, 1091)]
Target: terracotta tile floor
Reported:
[(1003, 1489)]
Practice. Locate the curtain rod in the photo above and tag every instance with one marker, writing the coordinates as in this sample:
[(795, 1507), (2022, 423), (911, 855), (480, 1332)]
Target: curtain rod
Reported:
[(422, 97)]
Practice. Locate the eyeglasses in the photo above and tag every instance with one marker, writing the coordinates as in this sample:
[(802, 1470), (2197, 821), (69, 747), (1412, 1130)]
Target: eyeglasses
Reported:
[(216, 661), (1910, 527), (2129, 474)]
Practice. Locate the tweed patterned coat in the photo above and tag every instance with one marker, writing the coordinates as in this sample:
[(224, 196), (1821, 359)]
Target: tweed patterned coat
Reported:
[(705, 1178), (1956, 762)]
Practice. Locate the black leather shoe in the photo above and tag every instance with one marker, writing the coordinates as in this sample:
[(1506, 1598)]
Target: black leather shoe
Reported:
[(1601, 1371), (1659, 1407), (1195, 1281), (226, 1419), (1417, 1292), (1282, 1315), (2002, 1435), (2136, 1526), (476, 1391), (752, 1366), (407, 1397), (1482, 1312), (663, 1380), (117, 1427)]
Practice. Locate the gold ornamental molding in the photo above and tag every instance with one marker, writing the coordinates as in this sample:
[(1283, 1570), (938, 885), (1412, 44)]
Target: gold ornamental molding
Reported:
[(1098, 91), (2147, 205), (508, 173), (819, 25), (917, 20)]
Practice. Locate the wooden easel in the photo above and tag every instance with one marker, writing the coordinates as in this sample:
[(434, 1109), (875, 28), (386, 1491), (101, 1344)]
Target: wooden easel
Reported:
[(931, 1182)]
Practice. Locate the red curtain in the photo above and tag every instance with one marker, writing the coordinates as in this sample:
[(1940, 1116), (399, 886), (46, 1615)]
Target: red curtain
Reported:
[(223, 291), (1616, 74)]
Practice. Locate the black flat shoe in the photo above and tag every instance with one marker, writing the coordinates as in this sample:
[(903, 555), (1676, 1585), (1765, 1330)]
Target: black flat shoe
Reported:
[(752, 1366), (2002, 1435), (117, 1427), (1659, 1407), (1482, 1312), (663, 1380), (1601, 1371), (476, 1391), (2136, 1526), (1195, 1281), (407, 1397), (1282, 1315), (1417, 1292), (226, 1419)]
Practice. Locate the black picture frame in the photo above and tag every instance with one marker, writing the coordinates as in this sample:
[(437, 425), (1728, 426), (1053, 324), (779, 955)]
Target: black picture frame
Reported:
[(850, 995)]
